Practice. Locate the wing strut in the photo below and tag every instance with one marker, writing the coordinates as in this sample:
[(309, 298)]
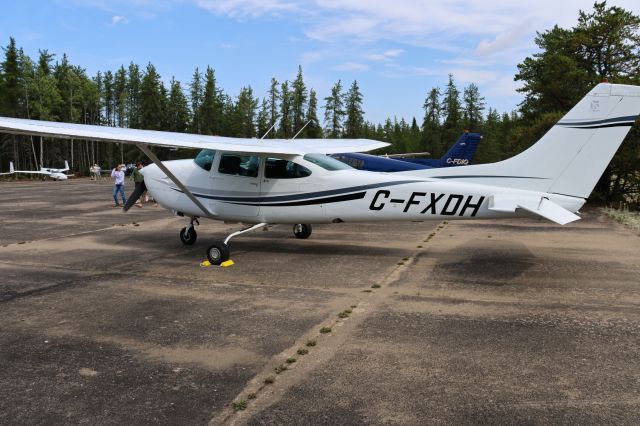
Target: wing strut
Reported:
[(144, 148)]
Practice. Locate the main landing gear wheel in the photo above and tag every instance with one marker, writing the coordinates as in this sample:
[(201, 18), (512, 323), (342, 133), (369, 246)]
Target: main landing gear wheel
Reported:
[(188, 236), (302, 230), (217, 253)]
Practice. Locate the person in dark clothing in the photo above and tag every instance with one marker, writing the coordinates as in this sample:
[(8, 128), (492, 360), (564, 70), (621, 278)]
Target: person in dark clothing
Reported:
[(139, 189)]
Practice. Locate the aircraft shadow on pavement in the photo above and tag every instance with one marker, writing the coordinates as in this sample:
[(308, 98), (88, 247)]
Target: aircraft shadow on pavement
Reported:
[(496, 263)]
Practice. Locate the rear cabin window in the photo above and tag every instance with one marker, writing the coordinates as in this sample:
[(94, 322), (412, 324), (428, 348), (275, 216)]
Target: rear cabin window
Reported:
[(326, 162), (205, 158), (239, 165), (356, 163), (277, 168)]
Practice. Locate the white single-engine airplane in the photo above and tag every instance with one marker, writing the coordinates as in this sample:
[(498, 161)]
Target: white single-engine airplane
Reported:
[(277, 181), (45, 172)]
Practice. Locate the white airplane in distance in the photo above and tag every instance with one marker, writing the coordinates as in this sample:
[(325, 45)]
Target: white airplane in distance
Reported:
[(276, 181), (11, 170), (45, 172)]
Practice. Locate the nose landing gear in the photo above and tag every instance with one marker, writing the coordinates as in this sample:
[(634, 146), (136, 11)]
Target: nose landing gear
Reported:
[(219, 252), (188, 234)]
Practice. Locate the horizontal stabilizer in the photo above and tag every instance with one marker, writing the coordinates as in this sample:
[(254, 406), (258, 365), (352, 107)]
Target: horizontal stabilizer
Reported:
[(541, 206)]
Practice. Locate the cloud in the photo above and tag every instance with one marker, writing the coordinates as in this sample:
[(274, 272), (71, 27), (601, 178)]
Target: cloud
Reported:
[(243, 9), (504, 41), (385, 56), (119, 19), (352, 66), (500, 25)]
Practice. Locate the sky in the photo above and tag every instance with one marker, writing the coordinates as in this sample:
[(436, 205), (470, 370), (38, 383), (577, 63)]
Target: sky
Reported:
[(397, 50)]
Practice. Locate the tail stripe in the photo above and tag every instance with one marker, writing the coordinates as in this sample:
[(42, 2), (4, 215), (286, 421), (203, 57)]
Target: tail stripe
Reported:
[(609, 122)]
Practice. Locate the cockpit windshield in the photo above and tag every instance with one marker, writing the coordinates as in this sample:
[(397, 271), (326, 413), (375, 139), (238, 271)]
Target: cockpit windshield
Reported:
[(326, 162), (204, 159)]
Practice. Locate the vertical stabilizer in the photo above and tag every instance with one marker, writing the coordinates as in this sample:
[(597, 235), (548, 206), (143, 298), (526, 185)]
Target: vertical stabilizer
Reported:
[(570, 158)]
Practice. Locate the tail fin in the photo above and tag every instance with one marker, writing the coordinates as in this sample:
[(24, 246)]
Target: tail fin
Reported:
[(66, 166), (462, 152), (11, 169), (570, 158)]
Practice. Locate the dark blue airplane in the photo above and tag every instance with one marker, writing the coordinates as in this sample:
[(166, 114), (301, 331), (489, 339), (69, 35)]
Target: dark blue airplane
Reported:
[(460, 154)]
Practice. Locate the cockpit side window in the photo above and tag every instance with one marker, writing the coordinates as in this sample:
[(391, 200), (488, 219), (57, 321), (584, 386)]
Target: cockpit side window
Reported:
[(277, 168), (204, 159), (240, 165)]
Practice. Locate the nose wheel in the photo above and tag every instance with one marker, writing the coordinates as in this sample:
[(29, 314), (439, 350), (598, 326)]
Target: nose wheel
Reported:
[(218, 252)]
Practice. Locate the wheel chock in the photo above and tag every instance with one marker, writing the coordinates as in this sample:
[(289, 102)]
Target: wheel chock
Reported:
[(225, 264)]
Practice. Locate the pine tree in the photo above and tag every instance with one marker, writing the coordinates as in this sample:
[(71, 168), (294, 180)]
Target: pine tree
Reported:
[(355, 115), (244, 114), (10, 94), (44, 62), (196, 94), (473, 108), (109, 98), (286, 99), (431, 123), (97, 81), (120, 97), (452, 125), (211, 110), (134, 82), (151, 100), (44, 98), (334, 111), (263, 118), (298, 101), (274, 113), (313, 129), (178, 108)]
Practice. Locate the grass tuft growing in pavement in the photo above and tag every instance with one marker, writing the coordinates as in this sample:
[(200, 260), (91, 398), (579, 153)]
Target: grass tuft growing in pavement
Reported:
[(375, 286), (311, 343), (269, 380), (239, 405), (291, 360), (252, 395), (279, 369), (343, 314), (303, 351), (325, 330)]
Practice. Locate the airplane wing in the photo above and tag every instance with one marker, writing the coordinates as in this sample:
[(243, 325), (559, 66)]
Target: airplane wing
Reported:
[(185, 140), (32, 172), (541, 206)]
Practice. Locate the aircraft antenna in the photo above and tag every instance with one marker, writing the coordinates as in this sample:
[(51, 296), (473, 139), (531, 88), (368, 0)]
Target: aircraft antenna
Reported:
[(270, 128), (300, 131)]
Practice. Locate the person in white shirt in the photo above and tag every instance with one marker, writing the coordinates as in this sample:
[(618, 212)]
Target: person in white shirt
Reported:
[(118, 185)]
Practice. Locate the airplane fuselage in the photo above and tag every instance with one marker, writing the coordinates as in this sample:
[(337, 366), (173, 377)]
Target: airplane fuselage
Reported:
[(327, 196)]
